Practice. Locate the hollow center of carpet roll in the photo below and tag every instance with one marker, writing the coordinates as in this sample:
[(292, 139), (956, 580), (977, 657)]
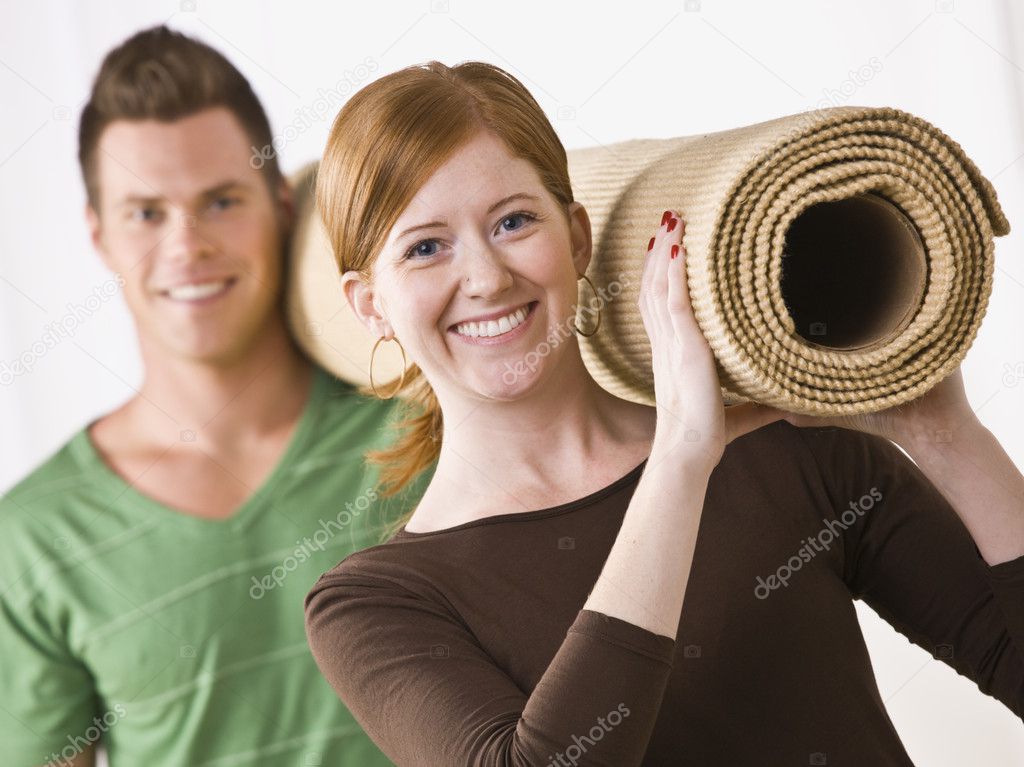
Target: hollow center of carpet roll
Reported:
[(853, 272)]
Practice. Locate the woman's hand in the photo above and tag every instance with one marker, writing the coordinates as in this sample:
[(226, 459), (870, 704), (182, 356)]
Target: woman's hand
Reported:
[(943, 407), (691, 416)]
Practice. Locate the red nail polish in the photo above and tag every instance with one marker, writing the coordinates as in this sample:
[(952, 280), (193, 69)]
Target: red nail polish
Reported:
[(675, 251), (672, 224), (650, 244), (665, 217)]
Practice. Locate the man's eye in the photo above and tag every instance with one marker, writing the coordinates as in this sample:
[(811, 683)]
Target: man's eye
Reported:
[(145, 214), (224, 202), (519, 216), (418, 249)]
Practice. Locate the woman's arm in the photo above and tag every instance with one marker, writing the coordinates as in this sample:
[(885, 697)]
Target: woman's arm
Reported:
[(959, 455), (968, 465), (645, 576), (911, 558)]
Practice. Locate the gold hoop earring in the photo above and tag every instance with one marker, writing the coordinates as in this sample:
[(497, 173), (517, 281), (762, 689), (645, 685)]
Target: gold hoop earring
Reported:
[(401, 381), (596, 326)]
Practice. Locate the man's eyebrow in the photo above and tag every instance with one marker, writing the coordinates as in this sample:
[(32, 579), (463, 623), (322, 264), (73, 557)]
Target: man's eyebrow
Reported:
[(498, 204), (207, 194)]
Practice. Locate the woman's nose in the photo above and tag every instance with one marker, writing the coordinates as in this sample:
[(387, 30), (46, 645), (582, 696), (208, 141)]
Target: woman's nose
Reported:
[(484, 271)]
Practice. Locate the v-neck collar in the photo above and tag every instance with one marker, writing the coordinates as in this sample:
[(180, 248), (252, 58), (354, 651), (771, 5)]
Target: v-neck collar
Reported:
[(122, 493)]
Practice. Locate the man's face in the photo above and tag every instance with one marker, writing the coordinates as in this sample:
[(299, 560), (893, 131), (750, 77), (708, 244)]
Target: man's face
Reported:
[(194, 231)]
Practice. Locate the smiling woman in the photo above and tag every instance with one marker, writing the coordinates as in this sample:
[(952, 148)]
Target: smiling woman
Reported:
[(529, 610), (508, 189)]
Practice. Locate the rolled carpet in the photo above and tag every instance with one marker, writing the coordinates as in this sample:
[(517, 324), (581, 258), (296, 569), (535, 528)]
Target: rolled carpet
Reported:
[(839, 261)]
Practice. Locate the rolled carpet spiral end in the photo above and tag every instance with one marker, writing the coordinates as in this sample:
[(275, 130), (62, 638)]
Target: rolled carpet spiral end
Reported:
[(839, 261)]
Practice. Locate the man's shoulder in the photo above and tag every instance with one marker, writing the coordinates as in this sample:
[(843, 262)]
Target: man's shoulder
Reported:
[(34, 513), (346, 414), (52, 478)]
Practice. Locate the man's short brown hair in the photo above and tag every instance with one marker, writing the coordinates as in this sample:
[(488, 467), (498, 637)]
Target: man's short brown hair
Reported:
[(161, 74)]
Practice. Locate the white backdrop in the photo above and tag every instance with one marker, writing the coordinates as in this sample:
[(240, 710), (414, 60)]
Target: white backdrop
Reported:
[(603, 74)]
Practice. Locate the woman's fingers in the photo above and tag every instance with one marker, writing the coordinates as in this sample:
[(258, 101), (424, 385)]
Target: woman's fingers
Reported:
[(677, 304), (654, 288)]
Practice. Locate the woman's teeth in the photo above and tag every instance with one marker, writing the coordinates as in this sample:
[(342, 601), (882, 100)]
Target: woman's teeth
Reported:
[(196, 291), (492, 328)]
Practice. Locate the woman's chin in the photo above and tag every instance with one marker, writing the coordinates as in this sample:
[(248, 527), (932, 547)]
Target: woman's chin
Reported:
[(507, 386)]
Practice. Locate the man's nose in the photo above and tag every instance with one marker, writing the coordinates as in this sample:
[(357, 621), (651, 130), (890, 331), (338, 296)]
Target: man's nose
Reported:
[(186, 240)]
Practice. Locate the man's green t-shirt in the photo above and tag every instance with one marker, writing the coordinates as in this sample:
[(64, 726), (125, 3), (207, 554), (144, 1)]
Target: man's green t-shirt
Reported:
[(180, 640)]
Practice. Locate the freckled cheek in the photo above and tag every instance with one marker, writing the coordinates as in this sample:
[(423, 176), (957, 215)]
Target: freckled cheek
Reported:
[(551, 268), (415, 315)]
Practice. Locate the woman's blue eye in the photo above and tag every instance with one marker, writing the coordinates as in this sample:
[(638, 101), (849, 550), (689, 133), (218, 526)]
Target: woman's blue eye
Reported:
[(425, 248), (518, 215), (417, 249)]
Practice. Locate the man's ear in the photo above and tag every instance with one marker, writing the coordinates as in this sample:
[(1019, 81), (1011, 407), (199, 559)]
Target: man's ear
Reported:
[(361, 298), (580, 236), (92, 220)]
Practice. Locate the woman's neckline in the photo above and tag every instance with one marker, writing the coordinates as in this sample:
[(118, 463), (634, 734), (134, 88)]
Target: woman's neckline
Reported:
[(523, 516)]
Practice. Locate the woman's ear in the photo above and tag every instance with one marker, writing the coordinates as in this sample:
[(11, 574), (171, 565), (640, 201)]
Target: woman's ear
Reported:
[(361, 296), (579, 236)]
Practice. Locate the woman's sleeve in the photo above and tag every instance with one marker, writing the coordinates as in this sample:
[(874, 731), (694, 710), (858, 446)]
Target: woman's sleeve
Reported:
[(910, 557), (427, 693)]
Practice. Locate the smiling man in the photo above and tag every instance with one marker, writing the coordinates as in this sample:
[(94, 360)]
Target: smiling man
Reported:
[(152, 570)]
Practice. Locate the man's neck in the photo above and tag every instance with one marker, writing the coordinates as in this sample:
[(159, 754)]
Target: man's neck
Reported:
[(257, 393)]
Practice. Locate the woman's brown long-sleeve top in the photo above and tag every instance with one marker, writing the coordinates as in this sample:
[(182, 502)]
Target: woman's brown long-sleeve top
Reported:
[(469, 646)]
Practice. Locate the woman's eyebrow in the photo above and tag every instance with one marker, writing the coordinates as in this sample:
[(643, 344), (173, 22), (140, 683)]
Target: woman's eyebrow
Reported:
[(494, 207)]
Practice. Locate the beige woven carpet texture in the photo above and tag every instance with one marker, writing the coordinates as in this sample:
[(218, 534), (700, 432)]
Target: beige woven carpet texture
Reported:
[(839, 261)]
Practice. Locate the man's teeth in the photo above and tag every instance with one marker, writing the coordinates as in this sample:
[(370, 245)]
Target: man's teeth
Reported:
[(197, 290), (492, 328)]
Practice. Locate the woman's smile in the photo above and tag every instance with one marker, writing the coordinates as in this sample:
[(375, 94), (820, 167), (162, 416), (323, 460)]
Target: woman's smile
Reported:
[(504, 329)]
